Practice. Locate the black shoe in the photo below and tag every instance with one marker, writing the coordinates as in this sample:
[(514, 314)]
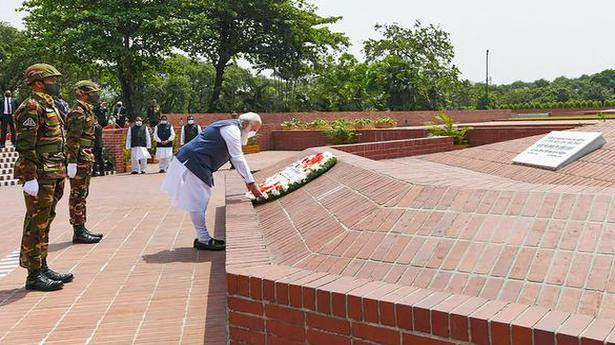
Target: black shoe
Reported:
[(81, 235), (212, 244), (63, 277), (134, 173), (37, 281), (93, 234), (142, 172), (216, 241)]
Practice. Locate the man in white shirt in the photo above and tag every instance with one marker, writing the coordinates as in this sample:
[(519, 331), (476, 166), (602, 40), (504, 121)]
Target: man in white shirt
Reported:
[(8, 106), (138, 141), (189, 131), (190, 177), (164, 134)]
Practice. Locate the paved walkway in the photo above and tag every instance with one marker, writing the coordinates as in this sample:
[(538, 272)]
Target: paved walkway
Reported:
[(143, 284)]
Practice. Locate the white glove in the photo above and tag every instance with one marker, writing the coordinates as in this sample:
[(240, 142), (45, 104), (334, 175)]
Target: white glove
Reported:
[(72, 170), (31, 187)]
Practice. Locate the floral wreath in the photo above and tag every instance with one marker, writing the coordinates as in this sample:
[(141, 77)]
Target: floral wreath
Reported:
[(294, 176)]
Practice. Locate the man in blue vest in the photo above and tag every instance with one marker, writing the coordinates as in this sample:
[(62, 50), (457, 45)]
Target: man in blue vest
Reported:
[(164, 134), (190, 177)]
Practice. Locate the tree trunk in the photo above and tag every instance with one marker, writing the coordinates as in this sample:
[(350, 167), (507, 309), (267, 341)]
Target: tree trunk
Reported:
[(215, 96), (126, 75)]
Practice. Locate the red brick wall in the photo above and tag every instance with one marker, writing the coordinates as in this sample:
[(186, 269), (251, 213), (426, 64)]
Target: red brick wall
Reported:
[(272, 121), (301, 140), (399, 148), (491, 134), (114, 141)]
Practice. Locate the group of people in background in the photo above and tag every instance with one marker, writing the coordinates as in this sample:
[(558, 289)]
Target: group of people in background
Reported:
[(139, 142)]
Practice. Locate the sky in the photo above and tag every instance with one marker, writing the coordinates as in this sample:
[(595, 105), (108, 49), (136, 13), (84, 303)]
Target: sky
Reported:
[(527, 39)]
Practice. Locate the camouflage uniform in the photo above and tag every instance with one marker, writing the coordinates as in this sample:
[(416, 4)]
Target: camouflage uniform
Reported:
[(80, 136), (40, 143)]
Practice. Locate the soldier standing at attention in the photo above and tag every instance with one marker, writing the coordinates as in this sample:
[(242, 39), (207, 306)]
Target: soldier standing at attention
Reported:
[(41, 168), (80, 138)]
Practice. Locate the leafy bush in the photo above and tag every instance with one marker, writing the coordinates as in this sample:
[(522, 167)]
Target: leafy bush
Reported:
[(341, 132), (292, 124), (448, 129), (363, 123), (319, 124), (385, 122)]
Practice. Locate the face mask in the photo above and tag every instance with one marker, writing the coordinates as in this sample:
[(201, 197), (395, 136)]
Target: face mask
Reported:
[(190, 122), (251, 134), (93, 98), (138, 123), (164, 122), (52, 89)]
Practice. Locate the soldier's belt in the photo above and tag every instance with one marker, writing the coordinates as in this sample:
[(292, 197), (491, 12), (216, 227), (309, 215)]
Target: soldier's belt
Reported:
[(50, 148)]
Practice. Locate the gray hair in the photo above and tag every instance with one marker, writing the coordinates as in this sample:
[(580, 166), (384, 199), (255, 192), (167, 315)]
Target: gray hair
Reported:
[(250, 118)]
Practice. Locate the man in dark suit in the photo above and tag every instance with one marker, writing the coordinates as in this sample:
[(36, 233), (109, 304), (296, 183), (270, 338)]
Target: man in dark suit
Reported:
[(8, 106)]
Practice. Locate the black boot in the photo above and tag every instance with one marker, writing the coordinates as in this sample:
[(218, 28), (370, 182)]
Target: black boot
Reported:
[(63, 277), (91, 233), (39, 282), (81, 236)]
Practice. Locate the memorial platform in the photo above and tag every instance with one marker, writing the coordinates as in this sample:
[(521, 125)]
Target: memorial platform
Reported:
[(457, 247)]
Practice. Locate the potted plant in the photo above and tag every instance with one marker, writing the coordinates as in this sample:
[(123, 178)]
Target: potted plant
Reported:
[(363, 123), (293, 125), (341, 132), (318, 124), (385, 122), (448, 129), (252, 146)]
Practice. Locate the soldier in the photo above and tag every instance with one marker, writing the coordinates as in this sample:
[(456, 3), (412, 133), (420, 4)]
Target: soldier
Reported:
[(41, 168), (80, 138), (153, 114)]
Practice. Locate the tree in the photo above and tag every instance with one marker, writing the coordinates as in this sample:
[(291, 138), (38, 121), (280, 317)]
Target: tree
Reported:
[(127, 37), (282, 35), (416, 65)]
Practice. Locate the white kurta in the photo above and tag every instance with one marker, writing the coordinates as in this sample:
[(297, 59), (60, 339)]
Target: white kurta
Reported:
[(186, 191), (182, 136), (164, 152), (139, 155)]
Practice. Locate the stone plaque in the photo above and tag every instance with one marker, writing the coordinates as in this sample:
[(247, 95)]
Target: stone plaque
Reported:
[(560, 148)]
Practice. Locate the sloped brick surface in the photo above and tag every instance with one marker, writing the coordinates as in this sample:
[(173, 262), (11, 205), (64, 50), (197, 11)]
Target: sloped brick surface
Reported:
[(484, 252)]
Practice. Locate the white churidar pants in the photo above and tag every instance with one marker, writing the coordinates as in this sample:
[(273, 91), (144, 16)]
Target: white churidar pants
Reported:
[(138, 158), (164, 155), (188, 193)]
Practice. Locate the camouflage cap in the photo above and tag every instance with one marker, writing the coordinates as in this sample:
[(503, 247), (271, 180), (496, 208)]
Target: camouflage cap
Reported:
[(40, 71), (86, 86)]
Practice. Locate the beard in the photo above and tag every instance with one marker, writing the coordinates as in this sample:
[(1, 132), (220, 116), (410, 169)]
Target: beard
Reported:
[(244, 137)]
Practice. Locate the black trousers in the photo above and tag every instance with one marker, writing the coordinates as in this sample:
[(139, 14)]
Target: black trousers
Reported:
[(7, 121), (99, 166)]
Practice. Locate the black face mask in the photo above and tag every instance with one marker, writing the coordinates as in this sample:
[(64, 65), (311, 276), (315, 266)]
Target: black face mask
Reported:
[(93, 98), (52, 89)]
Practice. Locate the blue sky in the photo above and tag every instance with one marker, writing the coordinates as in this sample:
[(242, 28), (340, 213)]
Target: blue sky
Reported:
[(528, 40)]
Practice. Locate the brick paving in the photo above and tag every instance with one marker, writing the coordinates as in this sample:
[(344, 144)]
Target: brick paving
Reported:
[(143, 284)]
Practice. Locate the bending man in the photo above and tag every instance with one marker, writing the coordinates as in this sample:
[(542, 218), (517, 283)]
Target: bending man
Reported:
[(190, 177)]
